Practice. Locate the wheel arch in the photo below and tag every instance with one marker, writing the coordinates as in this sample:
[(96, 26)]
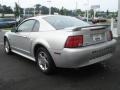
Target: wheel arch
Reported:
[(5, 37), (38, 45)]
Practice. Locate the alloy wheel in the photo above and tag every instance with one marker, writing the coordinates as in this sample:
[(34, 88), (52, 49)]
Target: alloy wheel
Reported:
[(42, 61)]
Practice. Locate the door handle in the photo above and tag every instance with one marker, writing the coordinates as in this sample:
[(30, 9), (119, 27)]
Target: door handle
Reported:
[(22, 36)]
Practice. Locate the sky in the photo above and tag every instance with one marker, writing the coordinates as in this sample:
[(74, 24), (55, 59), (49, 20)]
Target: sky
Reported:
[(111, 5)]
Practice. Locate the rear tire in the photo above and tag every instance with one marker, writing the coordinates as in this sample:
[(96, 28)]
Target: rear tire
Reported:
[(45, 61), (7, 47)]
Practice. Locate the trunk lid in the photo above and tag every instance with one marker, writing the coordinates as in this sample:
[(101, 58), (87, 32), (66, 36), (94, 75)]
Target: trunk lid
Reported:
[(92, 34)]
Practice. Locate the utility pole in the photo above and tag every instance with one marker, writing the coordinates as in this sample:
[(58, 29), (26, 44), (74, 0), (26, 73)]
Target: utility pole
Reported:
[(19, 8), (95, 7), (34, 11), (2, 9), (76, 6), (87, 15), (24, 12), (118, 26), (87, 10), (49, 6), (94, 13)]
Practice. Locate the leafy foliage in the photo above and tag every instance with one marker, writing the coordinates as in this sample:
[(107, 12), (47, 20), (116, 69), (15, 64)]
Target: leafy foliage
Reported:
[(39, 9)]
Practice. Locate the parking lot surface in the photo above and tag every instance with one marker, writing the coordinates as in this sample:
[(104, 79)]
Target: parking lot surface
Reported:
[(18, 73)]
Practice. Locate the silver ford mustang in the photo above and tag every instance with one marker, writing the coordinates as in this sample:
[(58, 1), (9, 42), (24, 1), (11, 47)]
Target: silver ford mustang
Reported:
[(60, 41)]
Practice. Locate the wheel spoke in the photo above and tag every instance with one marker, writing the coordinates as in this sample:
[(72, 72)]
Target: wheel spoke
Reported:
[(6, 47), (42, 60), (45, 66)]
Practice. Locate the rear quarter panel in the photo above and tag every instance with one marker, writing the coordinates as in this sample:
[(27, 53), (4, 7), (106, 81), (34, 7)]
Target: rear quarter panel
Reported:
[(52, 40)]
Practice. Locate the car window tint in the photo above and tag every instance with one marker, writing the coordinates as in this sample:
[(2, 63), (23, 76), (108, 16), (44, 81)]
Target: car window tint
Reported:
[(36, 27), (26, 26), (61, 22)]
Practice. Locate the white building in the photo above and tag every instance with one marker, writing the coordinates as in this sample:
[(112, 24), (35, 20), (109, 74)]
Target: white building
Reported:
[(119, 17)]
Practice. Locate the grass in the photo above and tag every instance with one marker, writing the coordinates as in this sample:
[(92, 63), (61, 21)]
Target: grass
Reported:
[(6, 29)]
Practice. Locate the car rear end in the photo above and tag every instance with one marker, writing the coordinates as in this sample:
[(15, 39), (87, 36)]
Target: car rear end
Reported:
[(78, 43), (86, 46)]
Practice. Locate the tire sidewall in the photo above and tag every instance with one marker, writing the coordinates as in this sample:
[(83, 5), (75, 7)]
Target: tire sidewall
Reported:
[(9, 51), (51, 66)]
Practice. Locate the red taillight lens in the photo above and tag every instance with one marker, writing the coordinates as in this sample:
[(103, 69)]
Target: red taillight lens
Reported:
[(74, 41)]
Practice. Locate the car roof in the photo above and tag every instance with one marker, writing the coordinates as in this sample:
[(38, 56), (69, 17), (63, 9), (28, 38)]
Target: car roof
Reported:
[(42, 16)]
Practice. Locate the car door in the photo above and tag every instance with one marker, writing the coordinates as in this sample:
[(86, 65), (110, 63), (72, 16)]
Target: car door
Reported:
[(21, 41)]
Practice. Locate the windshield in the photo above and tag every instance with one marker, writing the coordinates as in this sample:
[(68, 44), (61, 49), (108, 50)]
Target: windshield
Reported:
[(61, 22)]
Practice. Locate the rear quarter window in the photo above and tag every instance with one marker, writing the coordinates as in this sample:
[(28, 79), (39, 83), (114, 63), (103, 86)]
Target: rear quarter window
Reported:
[(36, 26)]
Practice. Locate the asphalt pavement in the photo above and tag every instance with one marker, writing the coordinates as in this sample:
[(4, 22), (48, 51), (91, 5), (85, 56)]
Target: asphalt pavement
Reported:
[(18, 73)]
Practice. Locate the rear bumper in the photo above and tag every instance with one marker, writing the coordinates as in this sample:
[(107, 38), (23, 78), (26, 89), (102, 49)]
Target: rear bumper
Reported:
[(79, 57)]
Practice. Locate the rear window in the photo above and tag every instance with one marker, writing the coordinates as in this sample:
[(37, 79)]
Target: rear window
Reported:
[(61, 22)]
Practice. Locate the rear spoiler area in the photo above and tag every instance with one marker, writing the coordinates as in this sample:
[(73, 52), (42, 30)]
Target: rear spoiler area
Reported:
[(92, 27)]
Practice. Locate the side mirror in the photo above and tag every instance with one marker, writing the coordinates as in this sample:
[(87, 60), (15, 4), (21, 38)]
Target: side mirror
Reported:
[(14, 30)]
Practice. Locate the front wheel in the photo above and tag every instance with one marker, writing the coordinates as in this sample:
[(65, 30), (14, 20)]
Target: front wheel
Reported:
[(45, 61), (7, 47)]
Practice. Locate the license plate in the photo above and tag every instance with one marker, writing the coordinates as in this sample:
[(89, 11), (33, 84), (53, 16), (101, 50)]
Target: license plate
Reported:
[(97, 37)]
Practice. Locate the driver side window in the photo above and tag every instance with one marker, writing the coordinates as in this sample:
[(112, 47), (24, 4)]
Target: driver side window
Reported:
[(26, 26)]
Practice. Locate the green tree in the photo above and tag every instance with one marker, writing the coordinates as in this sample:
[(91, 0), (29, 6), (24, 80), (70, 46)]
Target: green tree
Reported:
[(107, 12), (63, 11), (91, 12), (5, 10), (37, 8), (78, 12), (17, 10), (44, 10), (54, 10)]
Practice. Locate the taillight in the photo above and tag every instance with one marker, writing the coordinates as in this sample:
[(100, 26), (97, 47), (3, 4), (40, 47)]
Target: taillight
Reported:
[(110, 36), (74, 41)]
